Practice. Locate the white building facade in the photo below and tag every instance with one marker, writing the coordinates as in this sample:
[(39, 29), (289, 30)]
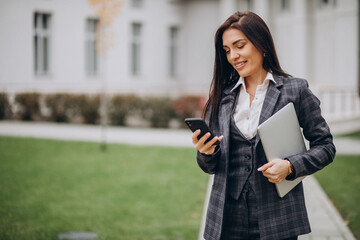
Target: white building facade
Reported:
[(165, 47)]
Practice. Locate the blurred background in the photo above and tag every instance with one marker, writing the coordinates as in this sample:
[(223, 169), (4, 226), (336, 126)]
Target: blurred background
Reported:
[(162, 50), (143, 64)]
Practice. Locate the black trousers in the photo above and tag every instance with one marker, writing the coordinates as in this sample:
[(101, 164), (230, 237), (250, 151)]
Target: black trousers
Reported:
[(241, 217)]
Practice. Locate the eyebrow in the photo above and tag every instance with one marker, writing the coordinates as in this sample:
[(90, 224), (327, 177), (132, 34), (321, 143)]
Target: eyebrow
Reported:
[(241, 39)]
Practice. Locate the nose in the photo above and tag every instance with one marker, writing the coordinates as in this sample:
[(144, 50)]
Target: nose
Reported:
[(234, 55)]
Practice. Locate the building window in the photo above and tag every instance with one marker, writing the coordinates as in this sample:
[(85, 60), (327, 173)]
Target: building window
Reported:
[(42, 27), (327, 3), (285, 5), (92, 58), (245, 5), (250, 5), (136, 48), (137, 3), (174, 51)]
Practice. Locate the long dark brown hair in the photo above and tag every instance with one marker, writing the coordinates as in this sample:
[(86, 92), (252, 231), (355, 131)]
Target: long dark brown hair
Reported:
[(256, 30)]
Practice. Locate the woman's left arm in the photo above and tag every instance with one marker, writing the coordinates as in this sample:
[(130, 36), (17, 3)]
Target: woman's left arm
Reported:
[(316, 131)]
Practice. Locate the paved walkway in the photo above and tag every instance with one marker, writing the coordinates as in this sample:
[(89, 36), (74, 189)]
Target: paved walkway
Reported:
[(92, 133), (325, 220)]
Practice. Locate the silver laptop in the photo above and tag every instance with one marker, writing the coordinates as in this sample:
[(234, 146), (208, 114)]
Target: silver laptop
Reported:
[(281, 137)]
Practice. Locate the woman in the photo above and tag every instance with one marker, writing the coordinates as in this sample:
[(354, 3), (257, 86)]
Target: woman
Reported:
[(248, 87)]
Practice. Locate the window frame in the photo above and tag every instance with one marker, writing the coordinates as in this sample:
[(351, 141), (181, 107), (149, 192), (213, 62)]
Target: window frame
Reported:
[(173, 67), (92, 60), (137, 4), (135, 48), (42, 25)]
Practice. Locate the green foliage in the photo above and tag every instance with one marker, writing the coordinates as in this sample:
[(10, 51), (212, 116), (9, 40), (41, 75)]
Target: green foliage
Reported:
[(123, 106), (63, 107), (188, 106), (89, 108), (158, 111), (127, 192), (341, 181), (28, 104), (5, 108)]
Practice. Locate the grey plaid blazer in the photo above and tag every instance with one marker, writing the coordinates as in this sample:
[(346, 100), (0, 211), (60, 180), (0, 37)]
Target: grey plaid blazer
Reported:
[(279, 218)]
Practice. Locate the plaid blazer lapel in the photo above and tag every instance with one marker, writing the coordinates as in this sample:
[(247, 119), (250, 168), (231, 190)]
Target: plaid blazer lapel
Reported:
[(270, 101), (225, 112), (226, 107)]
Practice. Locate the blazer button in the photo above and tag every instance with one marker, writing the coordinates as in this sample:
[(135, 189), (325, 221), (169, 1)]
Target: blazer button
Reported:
[(247, 169), (248, 157)]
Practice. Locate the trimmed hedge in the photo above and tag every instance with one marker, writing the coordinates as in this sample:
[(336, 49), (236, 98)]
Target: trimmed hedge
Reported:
[(123, 106), (5, 108), (89, 109), (157, 112), (63, 107), (28, 106), (188, 106)]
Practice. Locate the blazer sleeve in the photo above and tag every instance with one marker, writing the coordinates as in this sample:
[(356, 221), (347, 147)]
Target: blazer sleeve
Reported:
[(316, 131), (208, 163)]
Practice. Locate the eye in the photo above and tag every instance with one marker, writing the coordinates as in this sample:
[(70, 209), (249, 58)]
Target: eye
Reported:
[(240, 46), (226, 51)]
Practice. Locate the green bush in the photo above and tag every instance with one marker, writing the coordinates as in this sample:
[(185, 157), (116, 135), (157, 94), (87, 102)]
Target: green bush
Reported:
[(5, 108), (122, 106), (63, 107), (28, 106), (89, 108), (188, 106), (158, 111)]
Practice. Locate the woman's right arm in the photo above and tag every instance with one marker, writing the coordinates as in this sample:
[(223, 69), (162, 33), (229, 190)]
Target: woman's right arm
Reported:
[(207, 153)]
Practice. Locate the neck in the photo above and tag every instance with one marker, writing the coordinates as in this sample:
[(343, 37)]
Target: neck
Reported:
[(255, 80)]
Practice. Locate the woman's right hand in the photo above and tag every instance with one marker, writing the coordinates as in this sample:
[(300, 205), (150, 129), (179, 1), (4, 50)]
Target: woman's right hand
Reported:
[(200, 145)]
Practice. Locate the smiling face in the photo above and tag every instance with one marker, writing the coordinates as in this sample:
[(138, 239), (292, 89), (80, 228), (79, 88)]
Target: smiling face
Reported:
[(242, 54)]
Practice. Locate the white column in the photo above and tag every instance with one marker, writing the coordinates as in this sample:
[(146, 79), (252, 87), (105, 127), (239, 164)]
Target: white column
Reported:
[(300, 38), (262, 8), (227, 8)]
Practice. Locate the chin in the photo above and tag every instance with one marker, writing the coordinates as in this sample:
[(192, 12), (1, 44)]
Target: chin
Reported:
[(242, 74)]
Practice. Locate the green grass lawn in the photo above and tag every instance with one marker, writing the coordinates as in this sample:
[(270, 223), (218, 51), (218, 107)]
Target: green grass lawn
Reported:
[(352, 135), (341, 182), (49, 187), (127, 192)]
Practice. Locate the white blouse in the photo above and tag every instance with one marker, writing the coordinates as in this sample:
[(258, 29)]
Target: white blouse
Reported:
[(247, 117)]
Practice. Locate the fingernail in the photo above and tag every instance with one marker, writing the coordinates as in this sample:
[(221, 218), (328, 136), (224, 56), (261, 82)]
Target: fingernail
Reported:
[(259, 169)]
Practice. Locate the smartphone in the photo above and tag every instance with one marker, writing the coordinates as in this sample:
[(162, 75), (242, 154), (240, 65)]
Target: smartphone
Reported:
[(198, 123)]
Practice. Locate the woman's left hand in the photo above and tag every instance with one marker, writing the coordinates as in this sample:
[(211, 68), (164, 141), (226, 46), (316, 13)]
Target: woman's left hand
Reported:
[(276, 170)]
